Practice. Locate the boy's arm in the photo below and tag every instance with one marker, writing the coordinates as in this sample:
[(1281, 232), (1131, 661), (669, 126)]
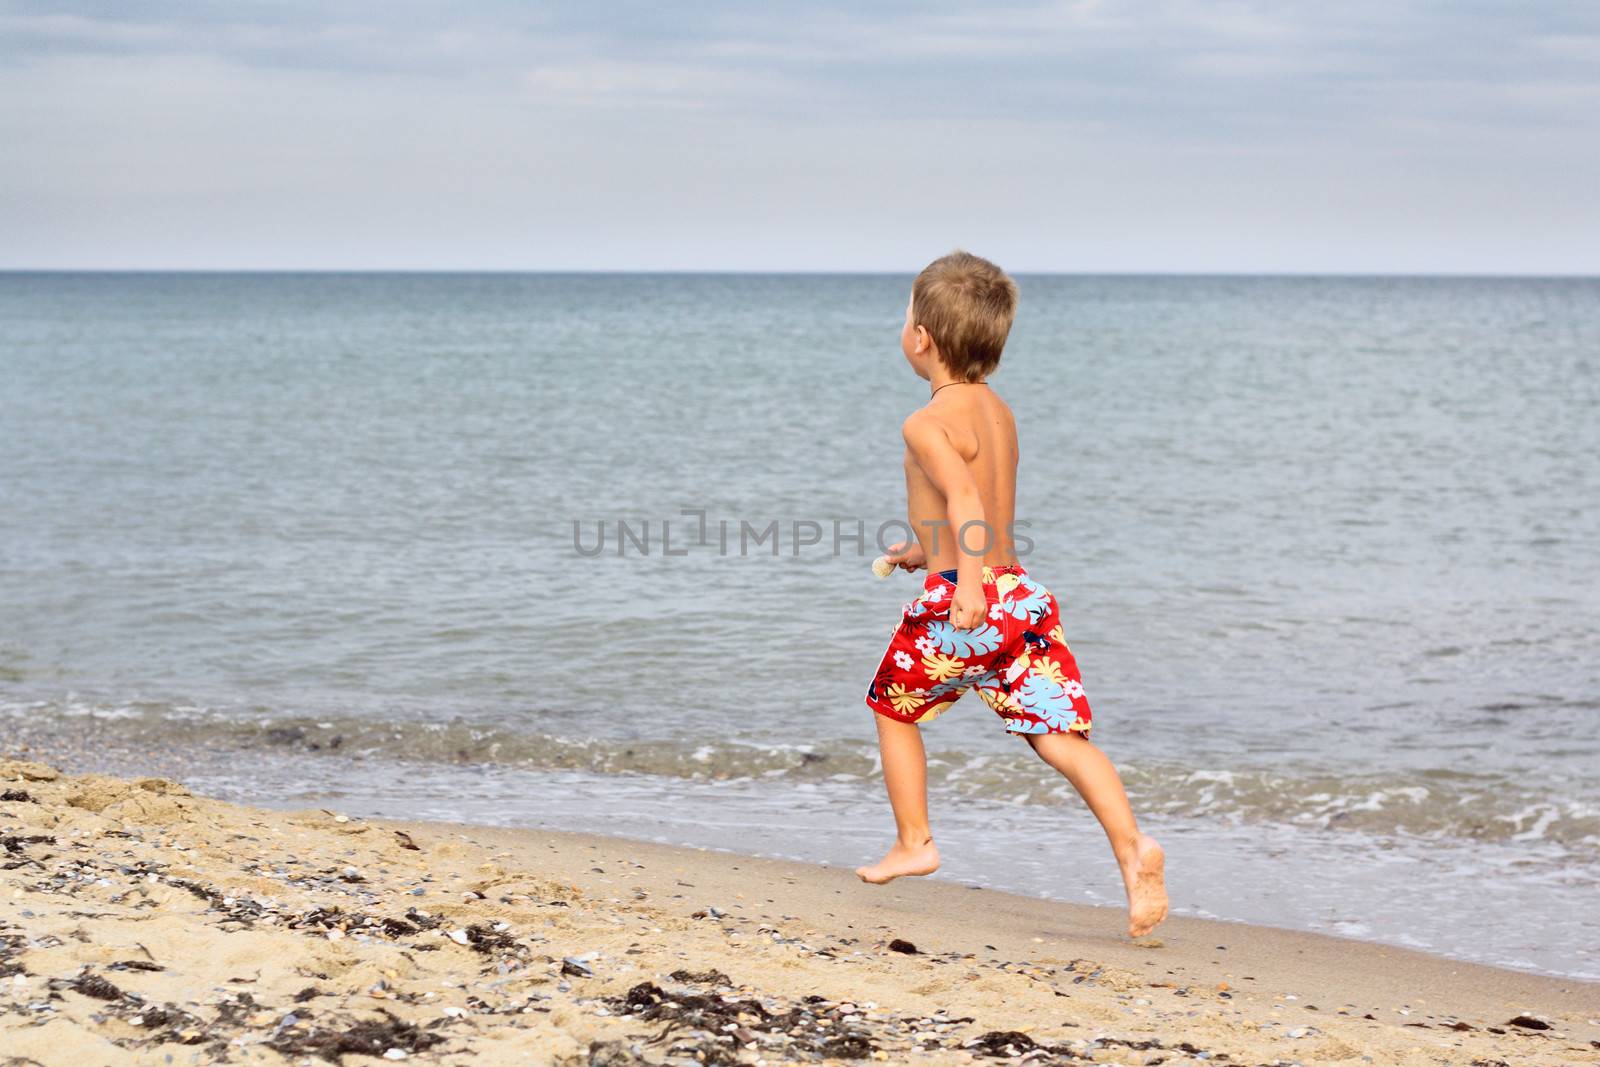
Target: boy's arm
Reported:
[(931, 448)]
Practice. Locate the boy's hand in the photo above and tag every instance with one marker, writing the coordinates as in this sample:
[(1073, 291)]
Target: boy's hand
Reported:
[(908, 556), (967, 607)]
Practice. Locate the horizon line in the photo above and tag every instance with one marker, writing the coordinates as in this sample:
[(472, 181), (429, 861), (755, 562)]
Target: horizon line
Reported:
[(724, 272)]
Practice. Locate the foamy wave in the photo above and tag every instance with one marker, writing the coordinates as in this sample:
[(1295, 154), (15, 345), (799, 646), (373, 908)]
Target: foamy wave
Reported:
[(1459, 806)]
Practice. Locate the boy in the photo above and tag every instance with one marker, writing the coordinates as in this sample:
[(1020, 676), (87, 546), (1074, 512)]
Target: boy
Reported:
[(981, 620)]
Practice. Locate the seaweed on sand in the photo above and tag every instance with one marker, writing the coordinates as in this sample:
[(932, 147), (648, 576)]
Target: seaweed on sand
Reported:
[(370, 1037), (719, 1025)]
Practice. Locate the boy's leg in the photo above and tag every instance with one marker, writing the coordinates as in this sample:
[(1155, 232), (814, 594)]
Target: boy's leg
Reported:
[(1138, 855), (905, 776)]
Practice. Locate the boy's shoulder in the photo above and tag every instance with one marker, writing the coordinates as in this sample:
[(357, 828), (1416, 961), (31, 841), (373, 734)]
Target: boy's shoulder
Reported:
[(919, 419), (924, 426)]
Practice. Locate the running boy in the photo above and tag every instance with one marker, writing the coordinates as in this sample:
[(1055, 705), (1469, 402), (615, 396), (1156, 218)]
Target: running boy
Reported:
[(981, 620)]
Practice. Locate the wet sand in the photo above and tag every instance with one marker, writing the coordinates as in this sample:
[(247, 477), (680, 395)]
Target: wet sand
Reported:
[(140, 924)]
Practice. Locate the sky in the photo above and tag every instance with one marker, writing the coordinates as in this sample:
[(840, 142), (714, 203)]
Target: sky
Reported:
[(1363, 136)]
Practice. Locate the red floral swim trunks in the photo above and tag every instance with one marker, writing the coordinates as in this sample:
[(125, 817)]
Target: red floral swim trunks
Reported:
[(1017, 658)]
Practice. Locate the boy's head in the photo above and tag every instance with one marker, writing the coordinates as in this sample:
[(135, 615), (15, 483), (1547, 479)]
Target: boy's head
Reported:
[(960, 313)]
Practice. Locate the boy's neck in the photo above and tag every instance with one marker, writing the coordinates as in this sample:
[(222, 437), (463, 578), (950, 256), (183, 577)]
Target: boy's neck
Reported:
[(939, 377)]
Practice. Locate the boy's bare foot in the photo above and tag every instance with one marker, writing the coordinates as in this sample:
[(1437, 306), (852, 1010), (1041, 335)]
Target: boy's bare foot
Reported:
[(902, 860), (1144, 872)]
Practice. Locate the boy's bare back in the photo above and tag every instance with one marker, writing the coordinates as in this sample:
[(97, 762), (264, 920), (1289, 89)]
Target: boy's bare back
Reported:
[(978, 427)]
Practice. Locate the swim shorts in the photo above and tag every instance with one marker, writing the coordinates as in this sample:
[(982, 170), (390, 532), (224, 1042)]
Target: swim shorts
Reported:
[(1017, 658)]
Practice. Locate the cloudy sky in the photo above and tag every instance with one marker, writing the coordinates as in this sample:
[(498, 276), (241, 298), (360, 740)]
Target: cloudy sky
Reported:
[(1094, 135)]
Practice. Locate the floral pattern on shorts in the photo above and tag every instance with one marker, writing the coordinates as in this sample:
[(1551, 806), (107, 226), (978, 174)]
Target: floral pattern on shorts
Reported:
[(1017, 658)]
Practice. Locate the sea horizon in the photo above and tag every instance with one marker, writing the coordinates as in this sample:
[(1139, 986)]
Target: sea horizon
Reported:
[(909, 272)]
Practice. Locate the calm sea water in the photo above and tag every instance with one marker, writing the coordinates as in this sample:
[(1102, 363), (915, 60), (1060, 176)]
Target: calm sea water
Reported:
[(1328, 554)]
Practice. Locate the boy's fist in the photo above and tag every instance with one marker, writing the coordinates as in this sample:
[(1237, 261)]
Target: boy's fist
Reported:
[(907, 556), (967, 607)]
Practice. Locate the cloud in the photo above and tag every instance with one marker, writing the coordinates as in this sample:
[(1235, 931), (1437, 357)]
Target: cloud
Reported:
[(727, 119), (1163, 67)]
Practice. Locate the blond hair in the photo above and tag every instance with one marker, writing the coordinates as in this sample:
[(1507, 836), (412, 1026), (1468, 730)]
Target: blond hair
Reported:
[(966, 304)]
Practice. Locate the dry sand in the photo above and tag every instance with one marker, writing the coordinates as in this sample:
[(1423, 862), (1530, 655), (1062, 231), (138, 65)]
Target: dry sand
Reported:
[(142, 925)]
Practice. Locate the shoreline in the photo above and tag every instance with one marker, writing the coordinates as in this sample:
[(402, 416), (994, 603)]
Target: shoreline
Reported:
[(205, 921), (1232, 873)]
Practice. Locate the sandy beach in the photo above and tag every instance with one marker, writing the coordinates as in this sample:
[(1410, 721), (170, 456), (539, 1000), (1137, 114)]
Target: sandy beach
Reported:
[(144, 925)]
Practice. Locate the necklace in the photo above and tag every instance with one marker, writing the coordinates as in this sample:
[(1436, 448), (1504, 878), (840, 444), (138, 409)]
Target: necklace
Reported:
[(947, 385)]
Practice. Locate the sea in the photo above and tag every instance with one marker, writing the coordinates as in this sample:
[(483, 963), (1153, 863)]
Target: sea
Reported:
[(592, 552)]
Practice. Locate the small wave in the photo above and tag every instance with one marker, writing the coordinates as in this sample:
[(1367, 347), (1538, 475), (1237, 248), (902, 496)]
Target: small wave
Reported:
[(455, 741), (1458, 805)]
